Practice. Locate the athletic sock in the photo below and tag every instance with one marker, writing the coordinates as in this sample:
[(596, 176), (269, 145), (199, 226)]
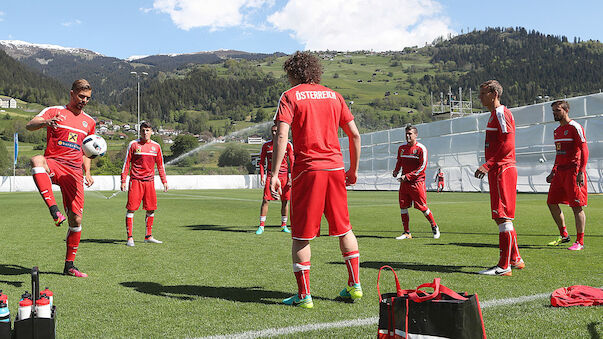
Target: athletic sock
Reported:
[(73, 241), (352, 262), (405, 220), (563, 232), (129, 224), (302, 276), (44, 185), (505, 242), (515, 256), (429, 217), (149, 221), (283, 220), (262, 220), (580, 238)]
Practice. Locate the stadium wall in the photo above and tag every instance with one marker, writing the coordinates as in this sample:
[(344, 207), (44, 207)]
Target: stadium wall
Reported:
[(457, 147)]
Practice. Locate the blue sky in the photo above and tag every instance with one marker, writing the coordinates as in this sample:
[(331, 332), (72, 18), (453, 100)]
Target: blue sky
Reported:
[(143, 27)]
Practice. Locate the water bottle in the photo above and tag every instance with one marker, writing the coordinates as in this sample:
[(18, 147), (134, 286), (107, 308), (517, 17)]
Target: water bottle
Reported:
[(3, 297), (43, 307), (4, 313), (49, 294), (25, 305)]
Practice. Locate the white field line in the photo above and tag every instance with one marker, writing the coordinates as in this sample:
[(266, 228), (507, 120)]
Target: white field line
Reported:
[(357, 322)]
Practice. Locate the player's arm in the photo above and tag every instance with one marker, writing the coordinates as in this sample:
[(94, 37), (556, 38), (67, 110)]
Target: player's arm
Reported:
[(161, 169), (291, 158), (582, 166), (86, 165), (351, 131), (126, 168), (398, 164), (262, 161), (279, 147), (41, 120)]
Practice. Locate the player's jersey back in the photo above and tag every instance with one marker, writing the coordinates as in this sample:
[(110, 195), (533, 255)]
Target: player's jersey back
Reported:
[(500, 138), (266, 158), (64, 141), (143, 156), (412, 160), (315, 114), (568, 143)]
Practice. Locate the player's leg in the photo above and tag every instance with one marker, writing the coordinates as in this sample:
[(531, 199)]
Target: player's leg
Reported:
[(580, 218), (284, 209), (132, 205), (149, 203), (419, 197), (72, 188), (558, 195), (405, 202), (349, 249), (301, 253), (559, 219), (285, 197), (40, 170), (129, 227), (264, 207)]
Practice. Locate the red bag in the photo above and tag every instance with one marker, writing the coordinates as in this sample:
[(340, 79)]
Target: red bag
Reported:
[(578, 295)]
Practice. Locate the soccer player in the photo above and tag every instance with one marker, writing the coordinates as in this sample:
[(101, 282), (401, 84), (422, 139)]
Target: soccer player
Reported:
[(284, 176), (141, 157), (440, 179), (62, 164), (314, 114), (568, 177), (412, 159), (502, 176)]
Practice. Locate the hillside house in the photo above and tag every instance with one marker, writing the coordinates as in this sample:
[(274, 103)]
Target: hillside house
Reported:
[(8, 103)]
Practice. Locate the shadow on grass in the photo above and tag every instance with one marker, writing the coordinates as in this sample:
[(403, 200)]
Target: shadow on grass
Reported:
[(219, 228), (104, 241), (13, 283), (592, 330), (482, 245), (9, 269), (419, 267), (189, 292)]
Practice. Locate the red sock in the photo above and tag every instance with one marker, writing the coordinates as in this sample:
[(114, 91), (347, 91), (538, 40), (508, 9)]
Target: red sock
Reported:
[(44, 185), (580, 238), (429, 217), (505, 242), (73, 241), (129, 223), (405, 221), (515, 256), (262, 220), (352, 262), (302, 275), (149, 221), (563, 232)]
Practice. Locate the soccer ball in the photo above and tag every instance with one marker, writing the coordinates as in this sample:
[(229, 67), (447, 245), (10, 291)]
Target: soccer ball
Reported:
[(94, 146)]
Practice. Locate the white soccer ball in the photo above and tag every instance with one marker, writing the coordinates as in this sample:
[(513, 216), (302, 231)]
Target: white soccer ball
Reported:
[(94, 146)]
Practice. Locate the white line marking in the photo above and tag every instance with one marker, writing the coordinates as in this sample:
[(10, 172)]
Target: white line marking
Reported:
[(357, 322)]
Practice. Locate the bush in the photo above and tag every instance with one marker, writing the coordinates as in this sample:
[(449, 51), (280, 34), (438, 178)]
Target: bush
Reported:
[(233, 155)]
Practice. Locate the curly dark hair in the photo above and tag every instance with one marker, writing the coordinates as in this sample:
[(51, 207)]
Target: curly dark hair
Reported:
[(303, 68)]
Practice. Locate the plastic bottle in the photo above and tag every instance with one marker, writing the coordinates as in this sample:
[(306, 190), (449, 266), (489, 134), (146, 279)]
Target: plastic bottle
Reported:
[(4, 313), (43, 307), (49, 294), (25, 305)]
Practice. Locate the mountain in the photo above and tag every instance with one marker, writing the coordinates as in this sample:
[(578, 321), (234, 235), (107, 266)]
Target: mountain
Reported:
[(175, 61)]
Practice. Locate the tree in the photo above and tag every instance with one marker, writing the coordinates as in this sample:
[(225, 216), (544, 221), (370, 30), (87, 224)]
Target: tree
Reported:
[(5, 163), (233, 155), (183, 143)]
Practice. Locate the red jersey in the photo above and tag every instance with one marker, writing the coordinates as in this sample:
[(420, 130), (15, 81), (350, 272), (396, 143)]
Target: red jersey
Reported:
[(412, 160), (315, 114), (570, 146), (441, 177), (64, 142), (266, 159), (500, 138), (143, 156)]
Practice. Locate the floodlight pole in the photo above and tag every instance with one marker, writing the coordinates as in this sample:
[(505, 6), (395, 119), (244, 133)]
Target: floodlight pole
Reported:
[(138, 98)]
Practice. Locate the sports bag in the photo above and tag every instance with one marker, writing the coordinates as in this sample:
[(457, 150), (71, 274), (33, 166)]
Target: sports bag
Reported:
[(577, 295), (419, 314)]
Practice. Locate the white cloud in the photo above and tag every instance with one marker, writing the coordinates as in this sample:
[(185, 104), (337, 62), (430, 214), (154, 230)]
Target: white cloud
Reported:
[(349, 25), (1, 16), (187, 14), (71, 23)]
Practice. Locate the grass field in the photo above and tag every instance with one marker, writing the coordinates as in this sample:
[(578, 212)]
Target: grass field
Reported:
[(214, 276)]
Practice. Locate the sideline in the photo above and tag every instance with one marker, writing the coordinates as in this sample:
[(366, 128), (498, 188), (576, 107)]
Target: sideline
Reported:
[(357, 322)]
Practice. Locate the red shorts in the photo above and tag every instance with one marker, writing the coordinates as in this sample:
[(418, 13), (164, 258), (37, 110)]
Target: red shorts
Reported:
[(315, 193), (503, 191), (564, 189), (285, 187), (413, 192), (441, 184), (71, 181), (141, 191)]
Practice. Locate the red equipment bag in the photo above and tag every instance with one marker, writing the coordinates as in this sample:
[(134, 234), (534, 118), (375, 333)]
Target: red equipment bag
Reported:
[(440, 314), (577, 295)]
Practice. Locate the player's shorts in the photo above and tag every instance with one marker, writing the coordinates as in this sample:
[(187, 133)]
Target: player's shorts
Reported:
[(564, 189), (315, 193), (503, 191), (141, 191), (285, 187), (71, 181), (441, 184), (410, 192)]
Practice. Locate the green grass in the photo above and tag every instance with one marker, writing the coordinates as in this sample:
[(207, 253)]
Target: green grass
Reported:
[(213, 275)]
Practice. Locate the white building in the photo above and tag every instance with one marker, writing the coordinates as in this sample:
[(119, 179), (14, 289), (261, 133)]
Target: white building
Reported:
[(8, 103)]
